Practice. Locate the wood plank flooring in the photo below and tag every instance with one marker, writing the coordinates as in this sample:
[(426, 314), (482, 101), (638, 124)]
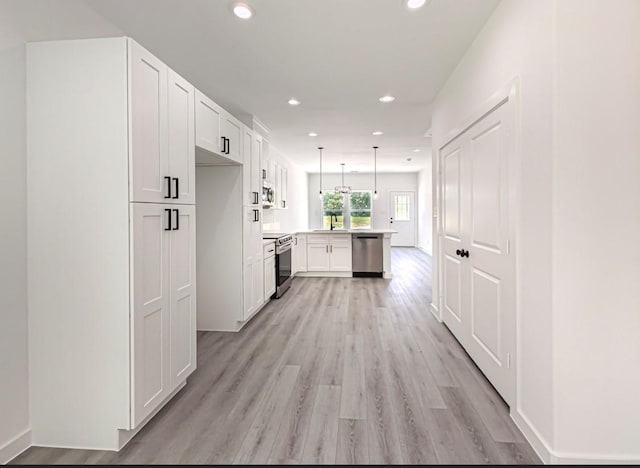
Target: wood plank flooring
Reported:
[(340, 370)]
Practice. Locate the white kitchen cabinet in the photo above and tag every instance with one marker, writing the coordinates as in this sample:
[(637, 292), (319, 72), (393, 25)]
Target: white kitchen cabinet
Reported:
[(329, 252), (253, 288), (340, 252), (283, 188), (269, 271), (252, 170), (162, 128), (208, 121), (119, 326), (163, 318), (181, 144), (299, 253), (232, 136)]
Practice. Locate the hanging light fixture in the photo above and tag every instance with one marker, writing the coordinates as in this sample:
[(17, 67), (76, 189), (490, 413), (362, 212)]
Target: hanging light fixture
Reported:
[(343, 188), (320, 194), (375, 172)]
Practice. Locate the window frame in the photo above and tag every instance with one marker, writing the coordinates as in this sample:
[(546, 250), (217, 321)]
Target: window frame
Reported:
[(346, 210)]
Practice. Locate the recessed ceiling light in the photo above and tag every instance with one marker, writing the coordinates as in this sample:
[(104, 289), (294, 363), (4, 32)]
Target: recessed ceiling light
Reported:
[(387, 98), (415, 4), (409, 159), (377, 132), (293, 102), (242, 10), (313, 134), (417, 150)]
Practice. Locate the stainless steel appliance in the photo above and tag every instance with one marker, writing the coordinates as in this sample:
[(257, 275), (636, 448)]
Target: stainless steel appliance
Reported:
[(366, 254), (268, 195), (284, 243)]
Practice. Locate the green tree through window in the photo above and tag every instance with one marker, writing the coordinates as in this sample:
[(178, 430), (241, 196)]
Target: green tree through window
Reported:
[(333, 205), (359, 213), (360, 210)]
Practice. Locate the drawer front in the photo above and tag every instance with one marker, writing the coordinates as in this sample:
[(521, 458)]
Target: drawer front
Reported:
[(340, 239), (318, 239), (269, 250)]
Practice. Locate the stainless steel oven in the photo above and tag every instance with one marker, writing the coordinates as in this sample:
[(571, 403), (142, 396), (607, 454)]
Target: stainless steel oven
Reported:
[(284, 242)]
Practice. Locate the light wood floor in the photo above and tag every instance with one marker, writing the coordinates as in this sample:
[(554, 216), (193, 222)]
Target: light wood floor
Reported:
[(340, 370)]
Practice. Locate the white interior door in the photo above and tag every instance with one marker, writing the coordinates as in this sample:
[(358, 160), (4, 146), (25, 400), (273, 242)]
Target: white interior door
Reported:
[(151, 303), (183, 293), (478, 267), (402, 218)]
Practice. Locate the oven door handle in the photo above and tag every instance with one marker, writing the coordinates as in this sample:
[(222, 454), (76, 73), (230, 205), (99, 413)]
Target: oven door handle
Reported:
[(283, 248)]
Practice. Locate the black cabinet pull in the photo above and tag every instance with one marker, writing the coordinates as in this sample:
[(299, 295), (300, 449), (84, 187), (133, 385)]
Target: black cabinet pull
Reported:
[(177, 220), (177, 194), (168, 211), (228, 146), (168, 179), (264, 173), (224, 144), (255, 196)]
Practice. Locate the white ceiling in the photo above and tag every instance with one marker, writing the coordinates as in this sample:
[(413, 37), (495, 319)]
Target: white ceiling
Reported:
[(336, 56)]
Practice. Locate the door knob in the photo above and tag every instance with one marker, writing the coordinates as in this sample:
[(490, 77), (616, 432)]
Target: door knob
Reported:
[(459, 252), (465, 253)]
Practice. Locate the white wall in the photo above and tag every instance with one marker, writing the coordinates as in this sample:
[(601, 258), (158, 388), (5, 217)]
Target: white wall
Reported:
[(295, 216), (360, 181), (20, 22), (425, 209), (517, 41), (578, 222), (14, 405), (596, 229)]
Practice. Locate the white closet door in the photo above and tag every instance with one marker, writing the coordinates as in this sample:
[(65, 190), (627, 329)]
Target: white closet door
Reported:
[(478, 267), (148, 126), (491, 273), (182, 148), (454, 237), (183, 293), (151, 302)]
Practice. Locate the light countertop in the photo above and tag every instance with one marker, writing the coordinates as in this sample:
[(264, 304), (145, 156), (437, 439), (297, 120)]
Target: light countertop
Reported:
[(348, 231)]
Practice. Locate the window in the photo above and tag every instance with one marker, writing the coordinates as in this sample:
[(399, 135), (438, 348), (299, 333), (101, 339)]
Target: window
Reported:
[(360, 210), (402, 208), (353, 210), (333, 206)]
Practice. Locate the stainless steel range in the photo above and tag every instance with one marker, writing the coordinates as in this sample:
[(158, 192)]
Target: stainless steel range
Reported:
[(284, 243)]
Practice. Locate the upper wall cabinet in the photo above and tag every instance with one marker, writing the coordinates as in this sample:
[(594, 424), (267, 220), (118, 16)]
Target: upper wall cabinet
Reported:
[(162, 158), (217, 131)]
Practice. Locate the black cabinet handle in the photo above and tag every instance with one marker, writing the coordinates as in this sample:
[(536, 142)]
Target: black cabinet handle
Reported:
[(255, 198), (284, 204), (257, 216), (168, 211), (177, 212), (224, 144), (264, 173), (168, 179), (228, 145), (177, 194)]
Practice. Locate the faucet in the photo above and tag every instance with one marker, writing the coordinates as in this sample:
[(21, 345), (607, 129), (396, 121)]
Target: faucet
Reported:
[(333, 216)]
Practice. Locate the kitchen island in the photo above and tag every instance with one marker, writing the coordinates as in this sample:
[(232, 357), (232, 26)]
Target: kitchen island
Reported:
[(328, 253)]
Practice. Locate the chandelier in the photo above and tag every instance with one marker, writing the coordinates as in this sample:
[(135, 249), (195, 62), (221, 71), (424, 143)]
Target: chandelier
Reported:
[(343, 188)]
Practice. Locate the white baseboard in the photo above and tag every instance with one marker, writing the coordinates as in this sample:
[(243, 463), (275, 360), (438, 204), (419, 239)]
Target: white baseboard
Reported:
[(324, 274), (535, 439), (425, 250), (553, 457), (435, 312), (15, 447)]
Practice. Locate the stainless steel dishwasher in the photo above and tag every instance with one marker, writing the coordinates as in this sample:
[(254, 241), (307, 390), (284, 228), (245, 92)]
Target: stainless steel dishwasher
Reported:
[(366, 254)]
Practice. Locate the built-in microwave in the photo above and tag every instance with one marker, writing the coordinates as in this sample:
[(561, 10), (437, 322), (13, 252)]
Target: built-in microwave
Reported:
[(267, 196)]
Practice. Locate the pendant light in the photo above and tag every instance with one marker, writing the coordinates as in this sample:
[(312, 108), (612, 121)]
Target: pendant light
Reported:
[(375, 172), (343, 188), (320, 194)]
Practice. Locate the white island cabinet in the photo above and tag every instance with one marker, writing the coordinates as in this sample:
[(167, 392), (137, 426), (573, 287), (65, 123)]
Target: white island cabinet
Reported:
[(111, 239), (326, 253)]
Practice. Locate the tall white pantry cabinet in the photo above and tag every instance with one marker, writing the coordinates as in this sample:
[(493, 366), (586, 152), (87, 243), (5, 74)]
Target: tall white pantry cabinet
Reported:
[(111, 239)]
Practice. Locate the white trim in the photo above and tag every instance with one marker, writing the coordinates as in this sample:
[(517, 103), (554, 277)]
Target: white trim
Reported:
[(435, 312), (325, 274), (553, 457), (15, 447)]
